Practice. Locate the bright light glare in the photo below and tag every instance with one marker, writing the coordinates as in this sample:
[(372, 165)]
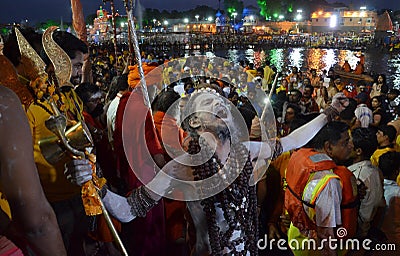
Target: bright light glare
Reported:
[(333, 21)]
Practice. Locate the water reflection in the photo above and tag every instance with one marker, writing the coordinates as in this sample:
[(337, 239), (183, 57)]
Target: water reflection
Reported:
[(320, 59), (296, 57), (394, 68), (277, 58)]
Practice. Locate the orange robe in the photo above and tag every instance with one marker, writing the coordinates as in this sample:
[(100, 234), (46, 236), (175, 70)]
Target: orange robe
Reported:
[(346, 67), (359, 69), (135, 141), (171, 135)]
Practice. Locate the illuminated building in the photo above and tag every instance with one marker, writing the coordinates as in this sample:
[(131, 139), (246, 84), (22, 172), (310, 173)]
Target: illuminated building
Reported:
[(344, 20), (101, 29)]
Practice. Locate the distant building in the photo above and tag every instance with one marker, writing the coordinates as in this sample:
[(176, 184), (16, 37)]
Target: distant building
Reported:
[(222, 22), (344, 20), (101, 26), (200, 27), (250, 19), (385, 29)]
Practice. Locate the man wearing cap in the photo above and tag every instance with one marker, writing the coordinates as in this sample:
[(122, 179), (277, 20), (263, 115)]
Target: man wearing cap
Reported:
[(363, 116), (294, 97)]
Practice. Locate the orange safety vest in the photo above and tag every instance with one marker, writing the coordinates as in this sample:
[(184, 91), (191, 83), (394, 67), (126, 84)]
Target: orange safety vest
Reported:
[(302, 164)]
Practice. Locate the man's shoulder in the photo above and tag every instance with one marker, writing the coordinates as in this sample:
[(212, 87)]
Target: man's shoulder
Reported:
[(39, 110), (381, 151), (112, 107), (366, 172), (391, 192), (365, 166), (328, 175)]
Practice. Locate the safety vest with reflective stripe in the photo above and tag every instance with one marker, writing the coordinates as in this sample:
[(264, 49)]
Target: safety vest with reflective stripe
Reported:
[(317, 190), (302, 166)]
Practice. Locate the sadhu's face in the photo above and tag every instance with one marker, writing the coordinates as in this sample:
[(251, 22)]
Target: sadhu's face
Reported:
[(212, 108), (210, 112)]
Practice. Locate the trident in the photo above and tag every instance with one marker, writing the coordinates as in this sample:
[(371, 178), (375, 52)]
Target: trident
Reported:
[(58, 122)]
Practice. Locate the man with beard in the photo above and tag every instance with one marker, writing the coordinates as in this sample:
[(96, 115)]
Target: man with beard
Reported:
[(76, 50), (294, 97), (307, 102), (64, 197), (216, 175)]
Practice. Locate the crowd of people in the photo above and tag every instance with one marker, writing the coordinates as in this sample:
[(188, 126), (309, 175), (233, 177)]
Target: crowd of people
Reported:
[(329, 159), (212, 42)]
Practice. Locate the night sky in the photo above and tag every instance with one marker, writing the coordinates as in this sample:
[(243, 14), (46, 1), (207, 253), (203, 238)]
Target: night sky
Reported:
[(41, 10)]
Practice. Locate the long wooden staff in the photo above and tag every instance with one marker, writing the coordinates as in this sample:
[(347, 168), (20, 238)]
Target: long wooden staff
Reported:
[(57, 123), (136, 50), (130, 44), (269, 96)]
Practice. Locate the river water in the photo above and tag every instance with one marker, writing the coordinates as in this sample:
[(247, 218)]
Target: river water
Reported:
[(376, 61)]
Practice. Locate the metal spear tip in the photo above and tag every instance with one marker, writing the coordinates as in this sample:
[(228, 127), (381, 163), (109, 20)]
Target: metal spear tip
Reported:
[(57, 124)]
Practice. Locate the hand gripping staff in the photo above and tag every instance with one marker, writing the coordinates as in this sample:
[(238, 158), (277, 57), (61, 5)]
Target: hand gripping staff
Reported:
[(57, 123)]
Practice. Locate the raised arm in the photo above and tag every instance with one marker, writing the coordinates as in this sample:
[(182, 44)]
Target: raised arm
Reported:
[(305, 133), (301, 135), (32, 214)]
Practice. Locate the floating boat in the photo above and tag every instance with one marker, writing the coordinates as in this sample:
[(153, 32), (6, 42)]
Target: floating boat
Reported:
[(352, 76)]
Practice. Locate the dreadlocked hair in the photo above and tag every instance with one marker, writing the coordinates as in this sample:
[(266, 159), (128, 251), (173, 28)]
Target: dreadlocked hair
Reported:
[(238, 201)]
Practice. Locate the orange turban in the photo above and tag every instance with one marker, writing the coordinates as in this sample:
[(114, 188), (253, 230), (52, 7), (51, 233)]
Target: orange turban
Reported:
[(154, 77)]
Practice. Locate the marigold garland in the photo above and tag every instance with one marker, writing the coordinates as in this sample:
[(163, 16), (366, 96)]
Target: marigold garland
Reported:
[(43, 90)]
